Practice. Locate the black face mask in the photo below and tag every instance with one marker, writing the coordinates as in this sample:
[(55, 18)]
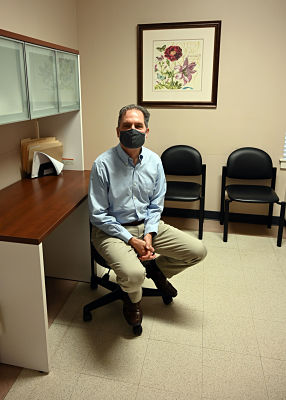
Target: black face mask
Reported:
[(132, 139)]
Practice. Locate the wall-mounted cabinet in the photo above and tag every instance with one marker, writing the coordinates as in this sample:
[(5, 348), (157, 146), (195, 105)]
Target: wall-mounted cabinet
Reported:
[(36, 81), (68, 81), (42, 81), (13, 91)]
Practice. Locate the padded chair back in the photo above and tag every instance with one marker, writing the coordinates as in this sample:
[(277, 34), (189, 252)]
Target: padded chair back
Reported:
[(182, 160), (249, 163)]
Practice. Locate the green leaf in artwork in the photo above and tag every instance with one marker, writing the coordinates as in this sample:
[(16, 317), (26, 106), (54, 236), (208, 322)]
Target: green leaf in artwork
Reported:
[(161, 48)]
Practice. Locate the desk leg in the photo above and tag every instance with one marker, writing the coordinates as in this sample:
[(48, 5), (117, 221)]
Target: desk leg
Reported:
[(23, 309)]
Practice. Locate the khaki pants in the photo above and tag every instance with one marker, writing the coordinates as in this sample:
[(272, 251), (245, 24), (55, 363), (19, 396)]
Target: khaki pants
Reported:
[(177, 251)]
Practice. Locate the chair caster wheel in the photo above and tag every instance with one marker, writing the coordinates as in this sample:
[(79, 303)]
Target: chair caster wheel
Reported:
[(137, 330), (87, 316), (167, 300)]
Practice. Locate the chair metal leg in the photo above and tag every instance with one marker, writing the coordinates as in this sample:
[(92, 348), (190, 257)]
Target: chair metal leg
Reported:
[(270, 214), (281, 224), (222, 212), (201, 217), (102, 301), (93, 282), (226, 218), (222, 195)]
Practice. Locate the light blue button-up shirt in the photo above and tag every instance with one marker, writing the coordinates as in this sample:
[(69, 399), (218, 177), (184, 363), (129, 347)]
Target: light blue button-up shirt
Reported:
[(121, 192)]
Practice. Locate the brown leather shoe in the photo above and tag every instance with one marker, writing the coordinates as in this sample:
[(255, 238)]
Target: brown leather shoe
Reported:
[(161, 282), (132, 311)]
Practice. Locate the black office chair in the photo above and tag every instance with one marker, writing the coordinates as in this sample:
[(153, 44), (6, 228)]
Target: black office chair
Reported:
[(185, 161), (250, 163), (115, 290)]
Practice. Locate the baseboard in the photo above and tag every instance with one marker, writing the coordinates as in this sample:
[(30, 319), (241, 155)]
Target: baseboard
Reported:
[(215, 215)]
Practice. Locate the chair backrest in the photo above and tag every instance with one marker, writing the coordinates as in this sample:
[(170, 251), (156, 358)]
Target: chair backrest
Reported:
[(182, 160), (249, 163)]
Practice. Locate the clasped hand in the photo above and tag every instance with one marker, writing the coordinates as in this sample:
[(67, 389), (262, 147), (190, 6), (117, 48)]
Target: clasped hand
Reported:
[(143, 248)]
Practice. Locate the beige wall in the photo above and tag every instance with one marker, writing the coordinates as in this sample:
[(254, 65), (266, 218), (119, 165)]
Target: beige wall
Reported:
[(252, 81), (251, 90), (52, 21)]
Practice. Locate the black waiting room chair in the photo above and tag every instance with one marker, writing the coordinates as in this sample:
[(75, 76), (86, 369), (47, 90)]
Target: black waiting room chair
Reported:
[(249, 163), (183, 160), (115, 290)]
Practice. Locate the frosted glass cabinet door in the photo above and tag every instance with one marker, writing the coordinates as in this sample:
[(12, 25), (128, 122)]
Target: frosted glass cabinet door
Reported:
[(13, 93), (68, 81), (42, 81)]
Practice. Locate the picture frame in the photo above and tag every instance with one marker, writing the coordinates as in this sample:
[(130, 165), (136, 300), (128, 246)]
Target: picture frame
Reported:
[(178, 64)]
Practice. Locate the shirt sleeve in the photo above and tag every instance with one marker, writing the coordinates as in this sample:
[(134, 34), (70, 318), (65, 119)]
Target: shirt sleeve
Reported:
[(99, 205), (156, 205)]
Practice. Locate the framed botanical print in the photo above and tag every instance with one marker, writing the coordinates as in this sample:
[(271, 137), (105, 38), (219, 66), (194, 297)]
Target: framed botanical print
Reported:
[(178, 64)]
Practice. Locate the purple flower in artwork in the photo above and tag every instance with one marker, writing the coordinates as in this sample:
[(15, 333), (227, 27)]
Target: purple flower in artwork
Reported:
[(161, 58), (185, 71), (156, 67)]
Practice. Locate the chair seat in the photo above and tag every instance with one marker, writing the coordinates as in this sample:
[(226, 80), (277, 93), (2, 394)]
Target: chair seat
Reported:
[(252, 194), (183, 191)]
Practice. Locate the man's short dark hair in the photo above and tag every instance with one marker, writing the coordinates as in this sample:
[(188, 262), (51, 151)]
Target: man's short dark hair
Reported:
[(144, 111)]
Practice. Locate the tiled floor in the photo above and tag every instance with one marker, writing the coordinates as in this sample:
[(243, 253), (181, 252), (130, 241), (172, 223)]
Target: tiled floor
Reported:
[(223, 337)]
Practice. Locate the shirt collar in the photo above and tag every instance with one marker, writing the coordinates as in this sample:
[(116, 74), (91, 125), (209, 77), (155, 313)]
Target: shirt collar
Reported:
[(124, 157)]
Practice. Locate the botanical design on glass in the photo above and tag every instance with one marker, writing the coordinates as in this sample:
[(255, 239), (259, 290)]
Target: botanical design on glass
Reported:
[(177, 65), (66, 72), (44, 68)]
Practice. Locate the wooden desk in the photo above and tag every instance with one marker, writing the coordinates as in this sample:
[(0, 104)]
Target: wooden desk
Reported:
[(31, 211)]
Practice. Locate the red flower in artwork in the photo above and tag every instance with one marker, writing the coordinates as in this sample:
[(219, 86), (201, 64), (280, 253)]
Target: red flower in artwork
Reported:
[(173, 53)]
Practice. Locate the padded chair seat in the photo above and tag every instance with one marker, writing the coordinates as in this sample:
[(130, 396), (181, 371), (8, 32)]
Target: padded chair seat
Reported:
[(251, 193), (183, 191)]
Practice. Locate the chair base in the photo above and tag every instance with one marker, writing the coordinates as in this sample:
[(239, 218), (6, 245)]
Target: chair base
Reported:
[(116, 294)]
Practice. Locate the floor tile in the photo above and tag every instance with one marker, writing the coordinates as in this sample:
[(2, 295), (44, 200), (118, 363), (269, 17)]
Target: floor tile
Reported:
[(32, 385), (56, 333), (268, 304), (223, 270), (178, 325), (229, 333), (262, 280), (58, 290), (215, 239), (173, 367), (81, 295), (190, 286), (232, 376), (110, 318), (258, 261), (73, 350), (92, 387), (116, 357), (232, 299), (254, 243), (271, 338), (241, 280), (227, 257), (283, 244), (147, 393), (280, 254), (8, 375), (275, 377)]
